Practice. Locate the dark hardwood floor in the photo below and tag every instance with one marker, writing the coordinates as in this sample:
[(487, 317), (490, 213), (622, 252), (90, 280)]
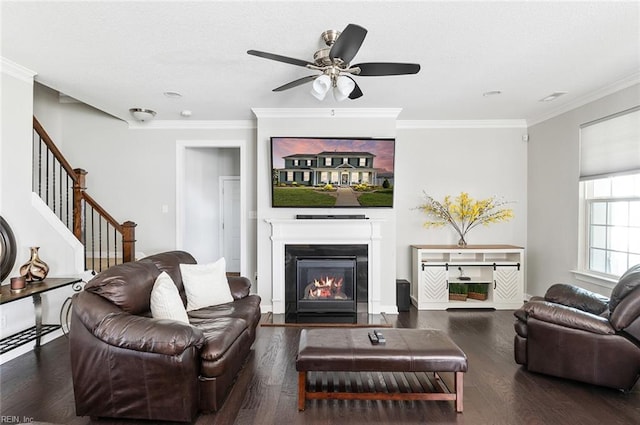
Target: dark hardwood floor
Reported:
[(37, 386)]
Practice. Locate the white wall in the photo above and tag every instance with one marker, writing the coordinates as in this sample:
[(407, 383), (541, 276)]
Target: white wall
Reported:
[(320, 123), (48, 112), (481, 159), (553, 158), (484, 159), (29, 220), (136, 165)]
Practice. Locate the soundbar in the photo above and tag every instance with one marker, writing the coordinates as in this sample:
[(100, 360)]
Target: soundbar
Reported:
[(331, 217)]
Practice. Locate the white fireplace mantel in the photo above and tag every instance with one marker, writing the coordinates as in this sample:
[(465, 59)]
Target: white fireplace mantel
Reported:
[(326, 231)]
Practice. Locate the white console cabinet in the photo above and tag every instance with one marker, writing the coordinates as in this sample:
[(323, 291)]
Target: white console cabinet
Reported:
[(490, 276)]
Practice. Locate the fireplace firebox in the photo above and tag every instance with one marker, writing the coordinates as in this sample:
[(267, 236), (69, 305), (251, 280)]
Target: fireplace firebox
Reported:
[(326, 285), (325, 282)]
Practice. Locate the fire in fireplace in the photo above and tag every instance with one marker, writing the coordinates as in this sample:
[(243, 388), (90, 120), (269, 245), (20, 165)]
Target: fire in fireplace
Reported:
[(327, 287), (326, 284)]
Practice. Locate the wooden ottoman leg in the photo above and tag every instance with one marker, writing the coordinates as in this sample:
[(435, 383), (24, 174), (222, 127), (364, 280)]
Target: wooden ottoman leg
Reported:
[(302, 390), (459, 384)]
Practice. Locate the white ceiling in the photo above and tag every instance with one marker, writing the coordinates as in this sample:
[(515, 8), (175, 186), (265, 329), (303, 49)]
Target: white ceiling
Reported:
[(117, 55)]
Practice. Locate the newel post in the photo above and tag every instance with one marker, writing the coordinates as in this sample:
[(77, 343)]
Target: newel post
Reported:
[(128, 241), (79, 186)]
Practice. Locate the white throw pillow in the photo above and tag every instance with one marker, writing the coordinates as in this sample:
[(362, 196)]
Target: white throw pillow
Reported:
[(206, 284), (165, 300)]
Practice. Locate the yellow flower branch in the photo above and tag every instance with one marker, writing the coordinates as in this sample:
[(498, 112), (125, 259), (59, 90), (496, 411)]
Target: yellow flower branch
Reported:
[(464, 213)]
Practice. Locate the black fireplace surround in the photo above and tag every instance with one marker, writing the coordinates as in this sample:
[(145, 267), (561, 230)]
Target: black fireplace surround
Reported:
[(325, 280)]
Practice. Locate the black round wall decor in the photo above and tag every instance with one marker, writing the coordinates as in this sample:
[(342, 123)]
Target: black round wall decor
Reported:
[(7, 249)]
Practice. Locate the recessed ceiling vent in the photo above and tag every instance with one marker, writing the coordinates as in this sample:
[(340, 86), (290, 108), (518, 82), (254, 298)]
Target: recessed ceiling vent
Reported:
[(553, 96)]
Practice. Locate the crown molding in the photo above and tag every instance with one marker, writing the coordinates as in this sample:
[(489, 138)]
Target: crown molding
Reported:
[(192, 125), (322, 113), (421, 124), (326, 112), (618, 85), (17, 71)]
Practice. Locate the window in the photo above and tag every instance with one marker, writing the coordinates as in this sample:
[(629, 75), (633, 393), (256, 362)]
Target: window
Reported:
[(363, 162), (345, 160), (308, 163), (327, 161), (289, 176), (610, 195), (296, 162), (612, 207), (306, 176)]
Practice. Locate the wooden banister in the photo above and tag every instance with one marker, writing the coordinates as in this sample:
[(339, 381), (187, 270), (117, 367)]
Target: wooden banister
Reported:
[(128, 241), (78, 195), (54, 149), (102, 212), (85, 211)]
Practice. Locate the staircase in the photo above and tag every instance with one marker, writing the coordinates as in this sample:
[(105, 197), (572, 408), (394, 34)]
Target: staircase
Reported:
[(106, 241)]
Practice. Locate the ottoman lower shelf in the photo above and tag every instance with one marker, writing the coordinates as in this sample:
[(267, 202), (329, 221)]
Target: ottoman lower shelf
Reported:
[(401, 386), (407, 367)]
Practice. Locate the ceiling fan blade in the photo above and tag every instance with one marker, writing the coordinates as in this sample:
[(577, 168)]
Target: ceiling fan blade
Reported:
[(386, 68), (296, 83), (348, 43), (279, 58), (356, 92)]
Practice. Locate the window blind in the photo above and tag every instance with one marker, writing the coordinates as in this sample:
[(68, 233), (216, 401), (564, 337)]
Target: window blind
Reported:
[(610, 145)]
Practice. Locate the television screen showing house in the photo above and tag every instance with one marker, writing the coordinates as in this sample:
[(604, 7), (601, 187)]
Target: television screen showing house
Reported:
[(338, 172)]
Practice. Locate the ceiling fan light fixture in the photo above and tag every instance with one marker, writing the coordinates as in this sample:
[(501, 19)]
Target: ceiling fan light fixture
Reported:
[(142, 114), (344, 87), (334, 62), (321, 86)]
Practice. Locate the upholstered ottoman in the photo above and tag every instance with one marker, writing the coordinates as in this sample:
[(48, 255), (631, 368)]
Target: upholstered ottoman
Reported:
[(403, 364)]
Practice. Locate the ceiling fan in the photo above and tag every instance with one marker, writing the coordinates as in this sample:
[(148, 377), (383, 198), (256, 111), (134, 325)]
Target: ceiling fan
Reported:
[(334, 64)]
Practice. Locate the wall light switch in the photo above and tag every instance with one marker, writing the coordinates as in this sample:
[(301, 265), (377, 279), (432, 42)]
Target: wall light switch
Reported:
[(165, 209)]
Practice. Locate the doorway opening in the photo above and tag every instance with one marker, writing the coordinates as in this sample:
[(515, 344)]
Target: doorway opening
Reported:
[(210, 202)]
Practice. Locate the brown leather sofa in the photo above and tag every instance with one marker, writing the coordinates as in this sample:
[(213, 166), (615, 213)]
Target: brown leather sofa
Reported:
[(126, 364), (577, 334)]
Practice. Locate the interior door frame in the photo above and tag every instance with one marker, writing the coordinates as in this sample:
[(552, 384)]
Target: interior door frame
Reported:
[(181, 147)]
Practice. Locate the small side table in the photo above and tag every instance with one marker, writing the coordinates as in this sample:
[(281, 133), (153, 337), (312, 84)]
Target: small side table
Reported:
[(33, 290)]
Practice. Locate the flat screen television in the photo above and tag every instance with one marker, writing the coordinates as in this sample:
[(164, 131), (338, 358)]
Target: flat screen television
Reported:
[(313, 172)]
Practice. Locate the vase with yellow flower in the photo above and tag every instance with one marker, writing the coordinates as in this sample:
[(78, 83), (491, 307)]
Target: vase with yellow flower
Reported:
[(463, 213)]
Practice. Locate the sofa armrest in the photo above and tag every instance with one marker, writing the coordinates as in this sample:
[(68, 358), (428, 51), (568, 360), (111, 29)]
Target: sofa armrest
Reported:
[(626, 315), (576, 297), (239, 286), (148, 335), (115, 327), (568, 316)]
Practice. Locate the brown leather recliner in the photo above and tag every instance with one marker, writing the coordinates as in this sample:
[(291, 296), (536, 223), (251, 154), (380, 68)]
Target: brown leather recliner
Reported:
[(125, 364), (577, 334)]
